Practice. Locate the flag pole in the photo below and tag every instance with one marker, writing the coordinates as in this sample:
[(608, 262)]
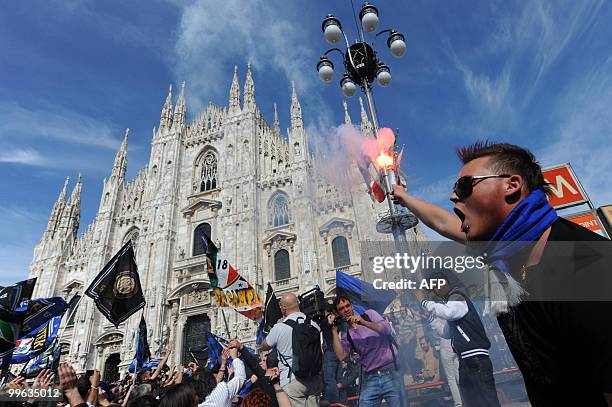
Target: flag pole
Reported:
[(137, 340), (192, 355), (226, 326), (64, 326)]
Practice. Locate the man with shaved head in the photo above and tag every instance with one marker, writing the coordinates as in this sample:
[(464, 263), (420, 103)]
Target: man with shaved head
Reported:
[(301, 391)]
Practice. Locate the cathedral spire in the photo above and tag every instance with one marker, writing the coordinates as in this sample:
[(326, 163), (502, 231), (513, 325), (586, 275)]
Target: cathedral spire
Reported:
[(58, 207), (120, 165), (296, 109), (234, 95), (72, 212), (276, 122), (249, 91), (179, 110), (75, 196), (366, 126), (347, 116), (165, 120), (62, 196)]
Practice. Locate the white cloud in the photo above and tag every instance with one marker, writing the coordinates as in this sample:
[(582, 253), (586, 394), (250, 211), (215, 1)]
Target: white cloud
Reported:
[(527, 44), (491, 93), (18, 213), (584, 132), (54, 124), (545, 29), (25, 156), (212, 37)]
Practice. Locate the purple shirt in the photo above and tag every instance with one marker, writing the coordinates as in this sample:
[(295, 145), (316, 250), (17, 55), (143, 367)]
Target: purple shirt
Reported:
[(373, 348)]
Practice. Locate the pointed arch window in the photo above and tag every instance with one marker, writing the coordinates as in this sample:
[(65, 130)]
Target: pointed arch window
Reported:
[(132, 235), (282, 267), (208, 172), (340, 252), (198, 235), (278, 210)]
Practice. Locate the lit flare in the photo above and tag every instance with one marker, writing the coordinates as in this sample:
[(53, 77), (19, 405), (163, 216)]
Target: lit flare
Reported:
[(385, 161)]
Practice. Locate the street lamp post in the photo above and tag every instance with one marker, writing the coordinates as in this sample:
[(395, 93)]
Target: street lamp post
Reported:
[(362, 67)]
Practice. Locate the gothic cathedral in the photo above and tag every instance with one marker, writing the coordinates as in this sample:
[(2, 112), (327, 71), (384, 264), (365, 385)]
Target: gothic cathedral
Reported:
[(256, 191)]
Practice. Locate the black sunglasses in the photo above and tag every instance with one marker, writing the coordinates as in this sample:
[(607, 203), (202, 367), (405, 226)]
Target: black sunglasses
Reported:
[(464, 185)]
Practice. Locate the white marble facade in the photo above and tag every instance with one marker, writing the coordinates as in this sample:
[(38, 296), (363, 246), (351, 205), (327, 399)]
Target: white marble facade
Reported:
[(258, 190)]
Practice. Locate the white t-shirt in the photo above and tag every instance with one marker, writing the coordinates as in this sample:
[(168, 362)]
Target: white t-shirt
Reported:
[(280, 338)]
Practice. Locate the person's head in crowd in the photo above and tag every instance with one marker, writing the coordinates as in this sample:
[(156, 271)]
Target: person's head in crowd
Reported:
[(141, 390), (179, 395), (83, 385), (143, 376), (424, 343), (143, 401), (329, 309), (483, 204), (289, 304), (257, 398), (403, 312), (272, 359), (203, 383), (343, 305), (263, 359), (446, 282)]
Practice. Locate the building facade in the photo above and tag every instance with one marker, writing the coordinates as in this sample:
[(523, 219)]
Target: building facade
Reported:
[(256, 191)]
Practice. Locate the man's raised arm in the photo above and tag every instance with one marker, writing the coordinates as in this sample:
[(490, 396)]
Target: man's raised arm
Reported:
[(437, 218), (159, 368)]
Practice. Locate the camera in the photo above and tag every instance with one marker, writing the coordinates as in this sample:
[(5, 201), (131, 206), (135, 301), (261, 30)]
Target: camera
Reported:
[(312, 303), (339, 321)]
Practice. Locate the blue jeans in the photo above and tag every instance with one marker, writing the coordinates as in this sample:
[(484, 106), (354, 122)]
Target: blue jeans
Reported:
[(331, 375), (386, 385)]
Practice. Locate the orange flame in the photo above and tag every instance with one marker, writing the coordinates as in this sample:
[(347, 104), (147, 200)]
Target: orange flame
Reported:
[(385, 160)]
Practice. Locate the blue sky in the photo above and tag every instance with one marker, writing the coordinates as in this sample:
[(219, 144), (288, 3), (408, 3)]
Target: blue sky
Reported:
[(75, 73)]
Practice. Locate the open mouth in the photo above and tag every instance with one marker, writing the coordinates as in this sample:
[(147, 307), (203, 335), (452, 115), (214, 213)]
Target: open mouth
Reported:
[(461, 216)]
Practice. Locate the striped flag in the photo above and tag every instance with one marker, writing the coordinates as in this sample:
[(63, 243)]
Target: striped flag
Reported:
[(229, 287)]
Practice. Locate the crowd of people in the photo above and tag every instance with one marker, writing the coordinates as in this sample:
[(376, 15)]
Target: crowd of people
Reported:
[(365, 359)]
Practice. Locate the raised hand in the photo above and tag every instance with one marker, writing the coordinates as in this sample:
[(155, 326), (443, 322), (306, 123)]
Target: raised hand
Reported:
[(44, 379), (94, 379), (225, 354), (68, 380), (67, 376), (355, 320), (17, 382)]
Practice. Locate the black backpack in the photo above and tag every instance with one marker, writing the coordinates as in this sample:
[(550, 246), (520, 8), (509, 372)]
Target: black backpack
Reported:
[(307, 353)]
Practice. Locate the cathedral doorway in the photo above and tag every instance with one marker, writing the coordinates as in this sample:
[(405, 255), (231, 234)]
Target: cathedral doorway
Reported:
[(194, 339), (111, 367)]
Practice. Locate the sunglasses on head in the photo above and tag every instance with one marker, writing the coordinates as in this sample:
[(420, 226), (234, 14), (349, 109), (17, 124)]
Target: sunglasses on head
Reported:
[(465, 185)]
